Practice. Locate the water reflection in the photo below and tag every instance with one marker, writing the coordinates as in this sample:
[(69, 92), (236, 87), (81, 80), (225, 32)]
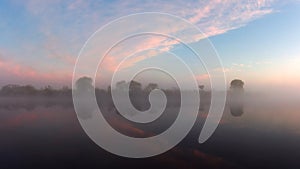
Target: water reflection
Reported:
[(45, 133)]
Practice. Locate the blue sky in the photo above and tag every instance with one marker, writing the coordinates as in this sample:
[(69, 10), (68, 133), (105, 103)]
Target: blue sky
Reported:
[(258, 41), (264, 44)]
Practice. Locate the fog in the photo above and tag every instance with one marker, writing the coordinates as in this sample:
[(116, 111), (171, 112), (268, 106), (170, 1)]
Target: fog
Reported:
[(43, 130)]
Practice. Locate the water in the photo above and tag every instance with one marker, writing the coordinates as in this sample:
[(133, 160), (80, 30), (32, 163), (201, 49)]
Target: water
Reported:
[(46, 134)]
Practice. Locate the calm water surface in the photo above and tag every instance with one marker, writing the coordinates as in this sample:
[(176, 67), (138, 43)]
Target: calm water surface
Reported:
[(47, 134)]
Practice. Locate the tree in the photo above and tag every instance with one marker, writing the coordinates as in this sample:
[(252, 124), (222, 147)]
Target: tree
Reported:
[(84, 101), (136, 94), (150, 87), (135, 86), (201, 87), (201, 92), (237, 84), (84, 84), (66, 91), (236, 97), (29, 90), (48, 91), (121, 85), (10, 90), (17, 90)]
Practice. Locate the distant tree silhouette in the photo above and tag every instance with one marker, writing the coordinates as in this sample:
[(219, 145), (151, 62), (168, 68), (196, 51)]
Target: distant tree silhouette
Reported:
[(236, 95), (237, 85), (65, 91), (201, 92), (84, 84), (122, 85), (83, 92), (136, 94), (150, 87), (135, 86), (29, 90), (84, 88), (17, 90), (9, 90), (109, 89), (48, 91), (146, 92), (201, 87)]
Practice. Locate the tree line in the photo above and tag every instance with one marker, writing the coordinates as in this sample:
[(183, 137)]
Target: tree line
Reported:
[(29, 90), (82, 84)]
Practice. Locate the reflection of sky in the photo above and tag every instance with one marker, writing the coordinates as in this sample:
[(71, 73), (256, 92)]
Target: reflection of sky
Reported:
[(267, 131)]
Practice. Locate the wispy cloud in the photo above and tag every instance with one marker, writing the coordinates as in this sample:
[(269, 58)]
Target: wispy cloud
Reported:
[(66, 25), (13, 72)]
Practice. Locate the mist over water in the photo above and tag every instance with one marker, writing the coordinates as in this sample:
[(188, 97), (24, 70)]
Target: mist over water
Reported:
[(63, 61), (45, 132)]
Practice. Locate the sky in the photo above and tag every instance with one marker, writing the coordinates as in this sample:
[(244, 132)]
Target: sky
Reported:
[(257, 41)]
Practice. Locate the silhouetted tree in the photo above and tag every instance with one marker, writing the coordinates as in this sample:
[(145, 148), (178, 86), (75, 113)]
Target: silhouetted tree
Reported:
[(48, 91), (29, 90), (135, 86), (136, 94), (122, 85), (237, 85), (83, 92), (10, 90), (201, 92), (236, 95), (17, 90), (201, 87), (84, 84), (150, 87), (66, 91)]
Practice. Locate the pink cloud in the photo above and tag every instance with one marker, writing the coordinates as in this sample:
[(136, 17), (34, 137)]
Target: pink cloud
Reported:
[(119, 52), (62, 42), (213, 18), (202, 77), (202, 12), (12, 70)]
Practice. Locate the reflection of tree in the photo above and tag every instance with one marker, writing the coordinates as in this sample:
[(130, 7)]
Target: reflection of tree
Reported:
[(236, 93)]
